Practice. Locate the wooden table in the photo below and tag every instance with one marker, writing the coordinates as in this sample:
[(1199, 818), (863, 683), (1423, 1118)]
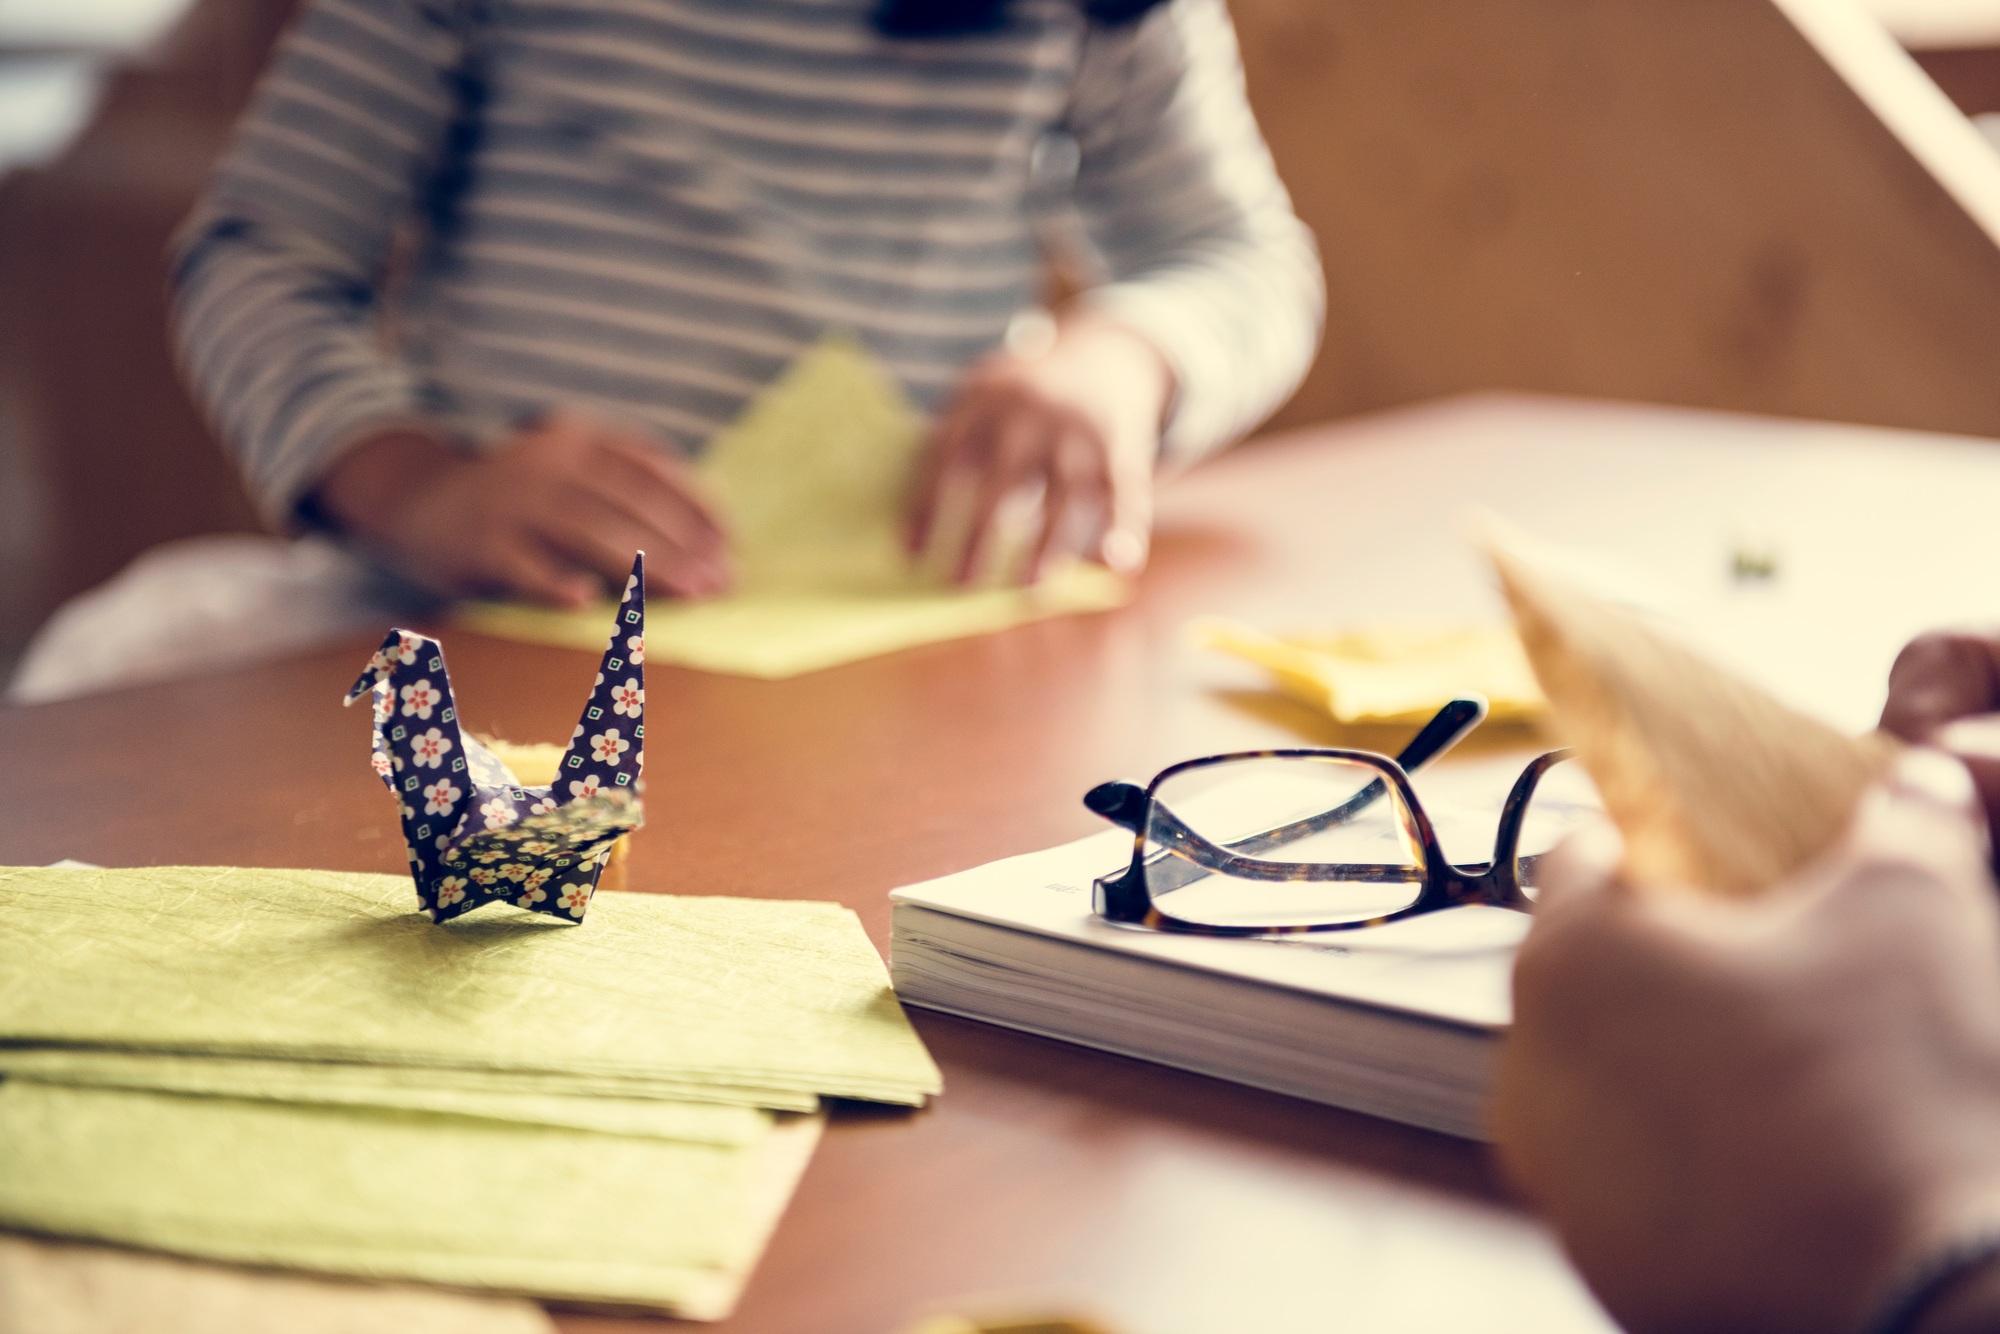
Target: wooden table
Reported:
[(1048, 1176)]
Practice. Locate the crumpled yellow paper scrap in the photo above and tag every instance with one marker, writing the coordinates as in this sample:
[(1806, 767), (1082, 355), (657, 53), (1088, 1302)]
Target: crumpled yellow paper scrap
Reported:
[(534, 764), (574, 1215), (1386, 673), (319, 1084), (319, 965), (814, 480)]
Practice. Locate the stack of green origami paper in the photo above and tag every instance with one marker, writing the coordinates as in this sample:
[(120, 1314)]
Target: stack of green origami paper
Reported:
[(298, 1068)]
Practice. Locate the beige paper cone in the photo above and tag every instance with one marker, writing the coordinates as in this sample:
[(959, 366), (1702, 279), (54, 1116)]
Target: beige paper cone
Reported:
[(1714, 784)]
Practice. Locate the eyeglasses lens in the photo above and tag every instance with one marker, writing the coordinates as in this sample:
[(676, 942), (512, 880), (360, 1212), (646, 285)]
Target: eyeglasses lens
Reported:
[(1564, 802), (1277, 820)]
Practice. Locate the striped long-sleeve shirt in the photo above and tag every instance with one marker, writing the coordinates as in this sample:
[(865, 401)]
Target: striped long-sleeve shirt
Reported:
[(650, 207)]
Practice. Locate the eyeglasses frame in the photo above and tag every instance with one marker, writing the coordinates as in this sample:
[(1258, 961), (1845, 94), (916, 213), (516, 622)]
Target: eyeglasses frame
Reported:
[(1126, 898)]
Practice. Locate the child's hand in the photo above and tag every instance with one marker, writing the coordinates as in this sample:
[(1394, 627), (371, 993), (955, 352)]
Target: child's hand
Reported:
[(1080, 423), (554, 516)]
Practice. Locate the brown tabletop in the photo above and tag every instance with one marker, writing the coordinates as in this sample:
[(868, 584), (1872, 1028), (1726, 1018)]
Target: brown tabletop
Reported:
[(1048, 1176)]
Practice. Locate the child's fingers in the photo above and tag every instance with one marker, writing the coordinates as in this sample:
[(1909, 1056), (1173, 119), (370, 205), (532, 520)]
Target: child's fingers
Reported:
[(525, 569), (1060, 500), (673, 477), (635, 499), (687, 576), (690, 554), (1128, 531), (1016, 443), (661, 491), (1076, 501), (941, 454), (603, 537)]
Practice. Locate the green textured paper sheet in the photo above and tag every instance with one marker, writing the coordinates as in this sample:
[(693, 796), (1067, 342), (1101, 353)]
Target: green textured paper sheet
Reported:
[(416, 1087), (319, 1084), (317, 965), (814, 481), (550, 1213)]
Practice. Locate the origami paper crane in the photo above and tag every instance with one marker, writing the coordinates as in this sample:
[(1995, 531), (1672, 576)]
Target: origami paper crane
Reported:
[(476, 835)]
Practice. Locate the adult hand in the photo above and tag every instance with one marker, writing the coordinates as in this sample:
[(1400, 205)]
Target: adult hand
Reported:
[(1944, 690), (1078, 422), (1755, 1115), (553, 516)]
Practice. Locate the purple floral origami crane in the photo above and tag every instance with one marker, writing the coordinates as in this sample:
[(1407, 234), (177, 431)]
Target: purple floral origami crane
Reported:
[(475, 834)]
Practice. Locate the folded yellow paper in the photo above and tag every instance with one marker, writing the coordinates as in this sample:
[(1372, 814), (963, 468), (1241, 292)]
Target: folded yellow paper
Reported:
[(1389, 674), (315, 965), (814, 478), (533, 763), (814, 481), (778, 635), (1715, 785), (565, 1214)]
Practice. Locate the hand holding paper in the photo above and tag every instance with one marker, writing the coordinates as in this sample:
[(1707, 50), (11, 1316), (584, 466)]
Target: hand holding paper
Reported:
[(814, 482), (1755, 1115), (552, 514), (1072, 425)]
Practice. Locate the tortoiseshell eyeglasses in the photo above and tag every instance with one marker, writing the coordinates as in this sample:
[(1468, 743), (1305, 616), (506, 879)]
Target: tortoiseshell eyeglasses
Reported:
[(1276, 842)]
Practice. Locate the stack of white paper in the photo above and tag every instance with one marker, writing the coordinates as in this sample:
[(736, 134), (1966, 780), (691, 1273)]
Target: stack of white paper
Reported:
[(1397, 1021)]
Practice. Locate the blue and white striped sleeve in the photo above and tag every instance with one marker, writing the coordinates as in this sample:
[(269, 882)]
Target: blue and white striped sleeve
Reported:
[(1176, 190), (277, 273)]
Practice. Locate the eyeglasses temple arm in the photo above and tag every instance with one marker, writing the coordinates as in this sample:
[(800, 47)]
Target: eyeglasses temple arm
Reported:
[(1122, 803), (1447, 727), (1125, 804)]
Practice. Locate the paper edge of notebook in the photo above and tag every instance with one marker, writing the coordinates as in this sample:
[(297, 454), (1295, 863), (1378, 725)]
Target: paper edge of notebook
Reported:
[(913, 895)]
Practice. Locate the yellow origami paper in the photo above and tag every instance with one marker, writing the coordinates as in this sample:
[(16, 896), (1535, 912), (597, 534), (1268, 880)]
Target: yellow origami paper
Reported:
[(1389, 674), (553, 1213), (315, 965), (814, 480)]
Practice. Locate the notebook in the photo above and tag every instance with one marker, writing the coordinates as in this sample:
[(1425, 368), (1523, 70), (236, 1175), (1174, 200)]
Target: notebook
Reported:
[(1397, 1021)]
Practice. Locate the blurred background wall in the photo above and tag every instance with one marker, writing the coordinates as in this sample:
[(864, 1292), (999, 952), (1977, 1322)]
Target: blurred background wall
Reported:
[(1672, 202), (101, 453)]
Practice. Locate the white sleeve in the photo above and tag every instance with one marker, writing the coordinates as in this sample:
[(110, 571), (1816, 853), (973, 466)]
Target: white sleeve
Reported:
[(277, 273), (1194, 232)]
